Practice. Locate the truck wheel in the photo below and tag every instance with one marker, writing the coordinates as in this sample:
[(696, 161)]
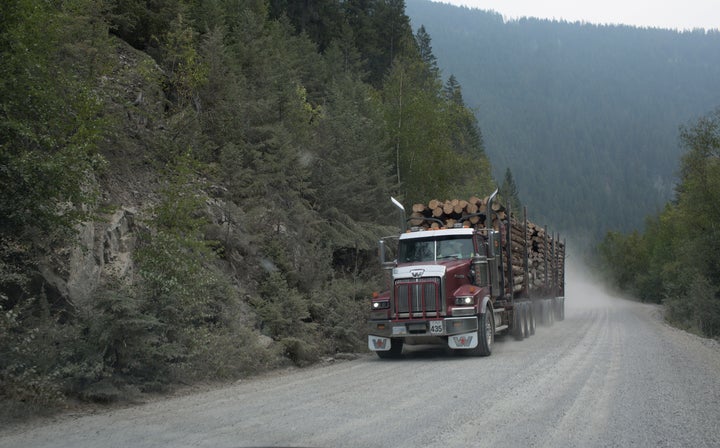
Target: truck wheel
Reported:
[(526, 319), (486, 334), (518, 324), (560, 308), (548, 312), (531, 318), (395, 351)]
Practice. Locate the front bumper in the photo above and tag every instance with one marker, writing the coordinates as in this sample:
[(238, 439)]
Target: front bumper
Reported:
[(418, 328)]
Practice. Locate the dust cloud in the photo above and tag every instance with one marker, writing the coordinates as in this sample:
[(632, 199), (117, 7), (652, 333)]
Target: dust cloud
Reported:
[(584, 289)]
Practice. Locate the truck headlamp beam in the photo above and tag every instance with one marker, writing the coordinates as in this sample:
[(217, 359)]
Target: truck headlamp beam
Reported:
[(381, 305), (464, 301)]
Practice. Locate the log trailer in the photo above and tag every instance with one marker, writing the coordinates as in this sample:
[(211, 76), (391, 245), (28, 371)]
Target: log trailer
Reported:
[(459, 278)]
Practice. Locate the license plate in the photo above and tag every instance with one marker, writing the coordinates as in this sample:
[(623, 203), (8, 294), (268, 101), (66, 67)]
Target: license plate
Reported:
[(436, 327)]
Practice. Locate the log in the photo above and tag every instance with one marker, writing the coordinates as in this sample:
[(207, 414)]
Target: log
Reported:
[(416, 219), (418, 208), (458, 208)]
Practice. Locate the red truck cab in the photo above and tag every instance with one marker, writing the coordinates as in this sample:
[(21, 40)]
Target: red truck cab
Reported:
[(439, 293)]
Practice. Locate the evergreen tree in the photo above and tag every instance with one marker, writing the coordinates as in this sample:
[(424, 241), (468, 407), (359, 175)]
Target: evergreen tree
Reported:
[(141, 23), (466, 140), (423, 42), (320, 20), (509, 193), (453, 91), (382, 33), (351, 170), (343, 57)]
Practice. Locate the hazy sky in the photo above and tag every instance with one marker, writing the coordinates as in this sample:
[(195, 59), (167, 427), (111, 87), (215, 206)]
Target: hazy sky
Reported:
[(673, 14)]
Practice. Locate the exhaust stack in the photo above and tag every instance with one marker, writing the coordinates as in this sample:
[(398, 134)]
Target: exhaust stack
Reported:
[(403, 222)]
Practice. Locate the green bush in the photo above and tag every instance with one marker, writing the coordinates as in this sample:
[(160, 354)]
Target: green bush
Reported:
[(301, 352), (341, 311), (23, 383)]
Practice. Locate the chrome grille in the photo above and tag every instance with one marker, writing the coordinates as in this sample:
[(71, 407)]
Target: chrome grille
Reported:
[(417, 298)]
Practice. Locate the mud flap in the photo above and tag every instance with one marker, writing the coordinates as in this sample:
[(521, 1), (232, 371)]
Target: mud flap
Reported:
[(378, 343), (463, 341)]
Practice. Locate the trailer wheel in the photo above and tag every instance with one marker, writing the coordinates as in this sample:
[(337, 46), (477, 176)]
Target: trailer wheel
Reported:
[(531, 318), (395, 351), (548, 312), (486, 334), (537, 311), (518, 322)]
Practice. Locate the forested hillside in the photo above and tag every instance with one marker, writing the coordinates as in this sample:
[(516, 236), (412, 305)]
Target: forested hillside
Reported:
[(585, 116), (192, 190), (675, 260)]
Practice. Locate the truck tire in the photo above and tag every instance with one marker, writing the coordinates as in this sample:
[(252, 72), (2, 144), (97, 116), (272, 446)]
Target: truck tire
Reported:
[(537, 311), (486, 334), (395, 351), (518, 329), (531, 317), (560, 308), (548, 312)]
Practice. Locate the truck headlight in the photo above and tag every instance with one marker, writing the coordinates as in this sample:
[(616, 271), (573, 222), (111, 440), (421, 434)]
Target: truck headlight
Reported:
[(381, 305), (464, 301)]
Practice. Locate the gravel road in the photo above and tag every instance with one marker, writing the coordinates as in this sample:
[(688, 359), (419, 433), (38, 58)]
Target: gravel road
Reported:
[(611, 375)]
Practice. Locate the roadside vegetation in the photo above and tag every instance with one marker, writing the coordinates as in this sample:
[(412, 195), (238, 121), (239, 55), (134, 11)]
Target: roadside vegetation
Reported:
[(253, 147), (675, 260)]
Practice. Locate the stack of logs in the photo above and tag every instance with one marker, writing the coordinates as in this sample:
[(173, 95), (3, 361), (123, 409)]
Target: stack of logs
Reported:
[(545, 253), (453, 212), (545, 258)]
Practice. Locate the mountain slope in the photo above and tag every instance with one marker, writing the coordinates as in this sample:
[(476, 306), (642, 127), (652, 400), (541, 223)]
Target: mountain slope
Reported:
[(585, 116)]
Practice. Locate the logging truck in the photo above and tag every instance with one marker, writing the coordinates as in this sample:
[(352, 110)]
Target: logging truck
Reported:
[(463, 272)]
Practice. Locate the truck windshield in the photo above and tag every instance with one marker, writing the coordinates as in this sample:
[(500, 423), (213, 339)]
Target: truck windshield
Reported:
[(431, 249)]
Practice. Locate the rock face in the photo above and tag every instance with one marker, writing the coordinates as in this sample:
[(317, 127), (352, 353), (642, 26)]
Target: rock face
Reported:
[(132, 94), (104, 252)]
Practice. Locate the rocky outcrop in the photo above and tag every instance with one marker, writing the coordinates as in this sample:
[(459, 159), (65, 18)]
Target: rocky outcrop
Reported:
[(102, 252)]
